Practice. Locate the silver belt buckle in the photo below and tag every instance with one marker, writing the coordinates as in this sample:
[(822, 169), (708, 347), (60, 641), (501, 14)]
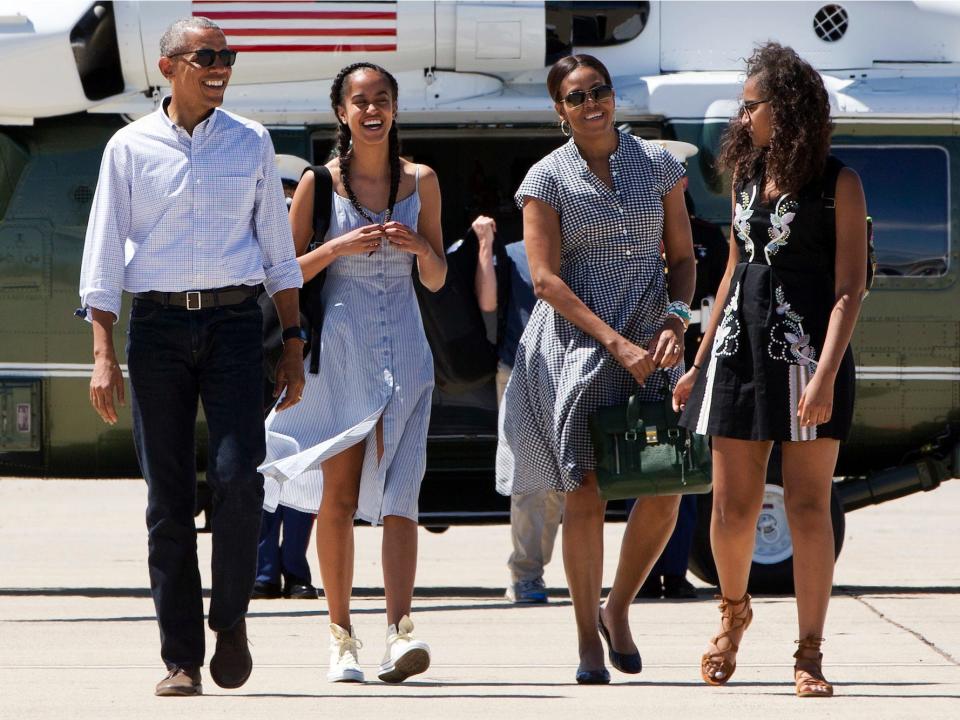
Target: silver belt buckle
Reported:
[(193, 297)]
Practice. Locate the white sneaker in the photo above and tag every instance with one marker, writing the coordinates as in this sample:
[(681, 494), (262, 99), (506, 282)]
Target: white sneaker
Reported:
[(344, 665), (405, 656)]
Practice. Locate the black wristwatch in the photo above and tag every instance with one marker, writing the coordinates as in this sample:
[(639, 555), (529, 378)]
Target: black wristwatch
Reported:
[(294, 332)]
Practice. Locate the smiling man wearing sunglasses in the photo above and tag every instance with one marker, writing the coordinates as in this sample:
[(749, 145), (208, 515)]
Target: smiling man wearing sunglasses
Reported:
[(189, 216)]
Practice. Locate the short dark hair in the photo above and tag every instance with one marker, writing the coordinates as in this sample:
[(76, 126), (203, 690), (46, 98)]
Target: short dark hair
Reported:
[(172, 40), (566, 65)]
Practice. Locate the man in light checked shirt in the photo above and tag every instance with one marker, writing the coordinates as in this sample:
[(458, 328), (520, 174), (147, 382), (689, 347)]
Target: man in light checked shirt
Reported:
[(189, 216)]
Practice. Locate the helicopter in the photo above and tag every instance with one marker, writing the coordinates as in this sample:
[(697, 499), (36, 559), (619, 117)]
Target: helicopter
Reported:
[(473, 105)]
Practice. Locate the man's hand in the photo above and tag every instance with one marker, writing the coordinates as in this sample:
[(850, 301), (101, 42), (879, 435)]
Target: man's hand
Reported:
[(290, 374), (106, 380)]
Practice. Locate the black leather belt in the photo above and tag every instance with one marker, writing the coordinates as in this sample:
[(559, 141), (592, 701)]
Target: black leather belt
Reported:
[(199, 299)]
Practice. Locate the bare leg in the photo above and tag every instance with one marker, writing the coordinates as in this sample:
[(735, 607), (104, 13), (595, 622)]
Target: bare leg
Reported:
[(583, 562), (807, 477), (399, 554), (739, 474), (341, 489), (651, 522)]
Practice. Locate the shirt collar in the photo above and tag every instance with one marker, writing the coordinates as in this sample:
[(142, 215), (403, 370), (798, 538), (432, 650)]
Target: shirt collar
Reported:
[(206, 125), (614, 156)]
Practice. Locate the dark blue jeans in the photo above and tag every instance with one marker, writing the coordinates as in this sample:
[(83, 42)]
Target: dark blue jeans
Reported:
[(287, 559), (177, 358)]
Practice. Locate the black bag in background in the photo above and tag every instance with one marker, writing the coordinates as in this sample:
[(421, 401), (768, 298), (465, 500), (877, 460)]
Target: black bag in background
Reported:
[(311, 304), (463, 357)]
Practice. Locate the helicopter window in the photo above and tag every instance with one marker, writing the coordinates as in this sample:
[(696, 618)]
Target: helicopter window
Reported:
[(592, 24), (908, 196)]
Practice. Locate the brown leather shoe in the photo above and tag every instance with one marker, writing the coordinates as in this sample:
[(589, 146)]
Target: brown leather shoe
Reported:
[(231, 663), (180, 682)]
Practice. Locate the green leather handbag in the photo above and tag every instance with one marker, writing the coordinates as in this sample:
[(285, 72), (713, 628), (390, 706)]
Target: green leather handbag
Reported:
[(640, 450)]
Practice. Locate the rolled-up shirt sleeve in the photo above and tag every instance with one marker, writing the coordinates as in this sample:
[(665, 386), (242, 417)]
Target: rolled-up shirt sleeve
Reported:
[(272, 228), (101, 274)]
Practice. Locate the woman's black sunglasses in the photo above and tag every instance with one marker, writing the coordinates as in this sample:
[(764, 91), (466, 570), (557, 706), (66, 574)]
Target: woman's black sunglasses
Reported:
[(576, 98), (205, 57)]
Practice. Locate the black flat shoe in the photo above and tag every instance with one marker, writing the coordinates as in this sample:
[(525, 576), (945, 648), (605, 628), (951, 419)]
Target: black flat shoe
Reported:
[(651, 588), (677, 587), (300, 591), (631, 664), (265, 591), (593, 677)]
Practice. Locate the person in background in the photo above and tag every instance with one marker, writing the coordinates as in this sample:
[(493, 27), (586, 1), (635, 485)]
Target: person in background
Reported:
[(535, 517), (668, 578), (284, 561)]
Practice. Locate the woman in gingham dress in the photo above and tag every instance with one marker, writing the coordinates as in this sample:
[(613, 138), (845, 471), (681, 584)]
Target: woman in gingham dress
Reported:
[(595, 212)]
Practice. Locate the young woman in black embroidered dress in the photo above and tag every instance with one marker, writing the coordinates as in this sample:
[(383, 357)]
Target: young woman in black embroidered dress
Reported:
[(775, 364)]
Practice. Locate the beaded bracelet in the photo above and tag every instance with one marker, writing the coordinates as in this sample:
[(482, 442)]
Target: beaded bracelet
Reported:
[(679, 309)]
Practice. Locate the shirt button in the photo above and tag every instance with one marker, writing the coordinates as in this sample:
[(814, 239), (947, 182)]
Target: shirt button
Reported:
[(198, 181), (629, 253)]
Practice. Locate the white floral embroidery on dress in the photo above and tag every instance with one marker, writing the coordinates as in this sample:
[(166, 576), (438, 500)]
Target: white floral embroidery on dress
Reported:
[(779, 230), (742, 213), (725, 342), (788, 341)]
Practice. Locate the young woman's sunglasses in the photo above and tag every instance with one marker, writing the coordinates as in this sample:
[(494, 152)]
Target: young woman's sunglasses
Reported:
[(576, 98), (205, 57), (748, 106)]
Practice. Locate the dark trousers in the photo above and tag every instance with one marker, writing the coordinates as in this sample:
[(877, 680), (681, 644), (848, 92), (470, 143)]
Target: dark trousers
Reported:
[(676, 554), (177, 358), (287, 559)]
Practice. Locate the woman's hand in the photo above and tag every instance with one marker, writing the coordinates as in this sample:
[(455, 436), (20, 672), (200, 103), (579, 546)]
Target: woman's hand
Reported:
[(816, 402), (681, 393), (364, 239), (403, 238), (637, 361), (667, 344)]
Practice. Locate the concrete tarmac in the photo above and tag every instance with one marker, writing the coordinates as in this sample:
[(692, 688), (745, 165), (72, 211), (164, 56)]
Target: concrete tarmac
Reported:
[(78, 638)]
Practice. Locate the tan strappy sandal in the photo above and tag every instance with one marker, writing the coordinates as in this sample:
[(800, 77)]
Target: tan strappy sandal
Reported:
[(808, 670), (718, 667)]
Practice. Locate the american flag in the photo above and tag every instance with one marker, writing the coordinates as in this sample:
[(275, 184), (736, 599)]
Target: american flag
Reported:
[(323, 26)]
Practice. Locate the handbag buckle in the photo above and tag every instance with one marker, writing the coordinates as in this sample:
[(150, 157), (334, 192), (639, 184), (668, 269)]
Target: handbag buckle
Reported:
[(652, 438), (630, 436)]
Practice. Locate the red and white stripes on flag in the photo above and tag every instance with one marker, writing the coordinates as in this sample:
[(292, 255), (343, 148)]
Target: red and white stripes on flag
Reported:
[(322, 26)]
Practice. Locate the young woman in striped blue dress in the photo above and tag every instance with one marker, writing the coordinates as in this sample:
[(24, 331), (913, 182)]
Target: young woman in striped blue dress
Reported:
[(356, 446)]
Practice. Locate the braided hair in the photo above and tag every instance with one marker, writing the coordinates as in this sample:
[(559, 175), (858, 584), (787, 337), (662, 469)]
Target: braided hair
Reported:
[(344, 139)]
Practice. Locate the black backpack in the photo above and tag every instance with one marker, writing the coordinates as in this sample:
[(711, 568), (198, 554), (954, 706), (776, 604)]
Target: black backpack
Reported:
[(829, 196), (311, 303), (463, 357)]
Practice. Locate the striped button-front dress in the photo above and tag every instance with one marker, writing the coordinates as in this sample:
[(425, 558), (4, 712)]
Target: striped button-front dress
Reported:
[(374, 363)]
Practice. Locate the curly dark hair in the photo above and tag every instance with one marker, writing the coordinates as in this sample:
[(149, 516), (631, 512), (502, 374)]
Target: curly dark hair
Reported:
[(801, 125), (344, 147)]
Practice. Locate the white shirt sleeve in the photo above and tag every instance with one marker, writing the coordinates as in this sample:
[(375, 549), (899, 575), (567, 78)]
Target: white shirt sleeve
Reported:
[(101, 274)]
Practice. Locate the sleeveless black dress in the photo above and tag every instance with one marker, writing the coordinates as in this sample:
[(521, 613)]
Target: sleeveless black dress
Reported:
[(774, 320)]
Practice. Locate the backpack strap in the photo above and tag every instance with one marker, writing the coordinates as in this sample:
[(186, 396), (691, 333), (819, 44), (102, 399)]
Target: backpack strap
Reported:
[(831, 172), (322, 200)]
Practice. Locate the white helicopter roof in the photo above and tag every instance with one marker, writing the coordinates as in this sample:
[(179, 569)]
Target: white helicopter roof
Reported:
[(482, 63)]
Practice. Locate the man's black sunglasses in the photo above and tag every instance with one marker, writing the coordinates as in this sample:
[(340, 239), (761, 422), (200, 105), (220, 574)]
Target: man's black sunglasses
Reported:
[(206, 57), (576, 98)]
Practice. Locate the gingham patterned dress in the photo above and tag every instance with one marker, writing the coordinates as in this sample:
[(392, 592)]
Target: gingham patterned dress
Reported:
[(610, 257), (374, 363)]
